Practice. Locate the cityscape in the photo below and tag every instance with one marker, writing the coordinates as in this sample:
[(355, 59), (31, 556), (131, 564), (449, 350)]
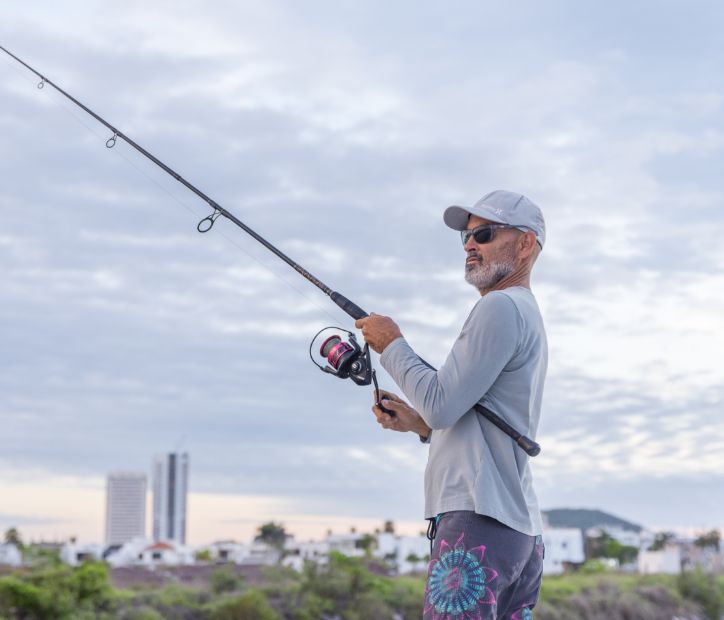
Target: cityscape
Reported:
[(572, 537)]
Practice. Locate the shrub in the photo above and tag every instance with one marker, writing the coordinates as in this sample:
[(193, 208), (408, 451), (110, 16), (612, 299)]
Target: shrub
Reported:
[(252, 605), (606, 600), (705, 590), (89, 582), (224, 580), (58, 592), (27, 599)]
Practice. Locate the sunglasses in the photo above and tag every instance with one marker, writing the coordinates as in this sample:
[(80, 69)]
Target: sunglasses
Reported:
[(482, 234)]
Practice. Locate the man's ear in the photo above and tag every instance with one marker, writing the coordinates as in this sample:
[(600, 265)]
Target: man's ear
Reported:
[(527, 243)]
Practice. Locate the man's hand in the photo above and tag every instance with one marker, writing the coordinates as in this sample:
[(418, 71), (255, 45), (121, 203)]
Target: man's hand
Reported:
[(405, 419), (378, 331)]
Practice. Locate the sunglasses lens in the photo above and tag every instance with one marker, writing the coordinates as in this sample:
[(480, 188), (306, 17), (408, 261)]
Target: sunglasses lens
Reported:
[(483, 234)]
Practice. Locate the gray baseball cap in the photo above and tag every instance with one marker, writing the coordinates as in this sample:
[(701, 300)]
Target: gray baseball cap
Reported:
[(502, 207)]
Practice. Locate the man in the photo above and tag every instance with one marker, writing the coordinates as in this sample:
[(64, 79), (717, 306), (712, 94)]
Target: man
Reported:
[(487, 555)]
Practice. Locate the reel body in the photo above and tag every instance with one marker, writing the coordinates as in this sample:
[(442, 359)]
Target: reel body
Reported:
[(345, 359)]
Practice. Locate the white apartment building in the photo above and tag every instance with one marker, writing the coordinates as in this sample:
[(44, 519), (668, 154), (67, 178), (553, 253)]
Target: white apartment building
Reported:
[(563, 548), (10, 555), (667, 560), (125, 506), (170, 486)]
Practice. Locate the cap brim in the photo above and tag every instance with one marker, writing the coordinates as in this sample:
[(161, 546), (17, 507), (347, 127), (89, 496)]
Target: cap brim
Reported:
[(457, 217)]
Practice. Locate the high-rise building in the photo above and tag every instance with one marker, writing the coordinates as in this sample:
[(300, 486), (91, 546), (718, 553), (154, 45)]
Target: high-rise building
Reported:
[(170, 484), (125, 506)]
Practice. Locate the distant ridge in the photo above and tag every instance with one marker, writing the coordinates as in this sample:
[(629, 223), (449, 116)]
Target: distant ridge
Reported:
[(583, 519)]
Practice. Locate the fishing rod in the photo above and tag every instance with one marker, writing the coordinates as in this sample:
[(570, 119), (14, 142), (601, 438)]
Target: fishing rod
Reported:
[(345, 359)]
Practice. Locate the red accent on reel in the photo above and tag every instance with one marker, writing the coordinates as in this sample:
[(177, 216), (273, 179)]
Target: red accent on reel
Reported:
[(334, 349)]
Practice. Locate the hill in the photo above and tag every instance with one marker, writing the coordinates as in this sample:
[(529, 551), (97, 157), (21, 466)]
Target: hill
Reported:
[(583, 519)]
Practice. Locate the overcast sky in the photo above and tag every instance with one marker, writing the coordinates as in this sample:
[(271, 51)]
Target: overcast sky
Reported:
[(340, 131)]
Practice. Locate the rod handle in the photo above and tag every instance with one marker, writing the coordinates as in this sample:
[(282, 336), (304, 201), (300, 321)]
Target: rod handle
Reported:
[(530, 447), (349, 307)]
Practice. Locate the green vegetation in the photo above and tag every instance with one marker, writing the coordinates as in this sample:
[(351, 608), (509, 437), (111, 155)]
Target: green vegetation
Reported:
[(706, 590), (203, 556), (252, 605), (617, 596), (345, 589), (605, 546), (272, 533), (661, 540), (224, 580), (711, 539), (55, 592), (12, 537)]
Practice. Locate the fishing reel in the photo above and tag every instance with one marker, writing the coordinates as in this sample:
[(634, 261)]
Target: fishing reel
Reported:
[(345, 359)]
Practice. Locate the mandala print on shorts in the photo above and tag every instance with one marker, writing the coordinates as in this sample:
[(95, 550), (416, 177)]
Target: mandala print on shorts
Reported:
[(457, 584), (522, 614)]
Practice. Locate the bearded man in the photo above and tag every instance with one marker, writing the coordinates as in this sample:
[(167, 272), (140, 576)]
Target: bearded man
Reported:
[(487, 551)]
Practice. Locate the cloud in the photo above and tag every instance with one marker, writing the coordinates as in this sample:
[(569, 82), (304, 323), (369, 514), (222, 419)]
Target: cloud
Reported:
[(340, 137), (12, 520)]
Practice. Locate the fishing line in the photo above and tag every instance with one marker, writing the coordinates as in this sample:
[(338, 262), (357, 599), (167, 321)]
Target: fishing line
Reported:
[(53, 98), (346, 359)]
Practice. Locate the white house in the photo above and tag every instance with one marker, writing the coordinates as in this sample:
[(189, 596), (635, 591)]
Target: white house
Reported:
[(297, 553), (347, 544), (626, 537), (667, 560), (386, 546), (563, 547), (228, 551), (128, 554), (408, 553), (10, 555), (261, 554), (167, 553), (74, 554), (141, 552), (412, 554)]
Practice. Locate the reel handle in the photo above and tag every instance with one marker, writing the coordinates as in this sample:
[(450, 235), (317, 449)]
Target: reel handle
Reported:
[(389, 412), (378, 400)]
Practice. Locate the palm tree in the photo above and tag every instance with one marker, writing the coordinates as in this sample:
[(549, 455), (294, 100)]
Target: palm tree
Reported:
[(12, 537)]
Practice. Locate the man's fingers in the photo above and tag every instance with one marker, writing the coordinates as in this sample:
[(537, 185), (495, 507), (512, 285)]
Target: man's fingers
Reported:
[(387, 422), (385, 419), (393, 405), (390, 396)]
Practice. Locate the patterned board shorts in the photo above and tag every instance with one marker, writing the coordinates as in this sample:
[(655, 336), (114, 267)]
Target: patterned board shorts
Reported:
[(482, 570)]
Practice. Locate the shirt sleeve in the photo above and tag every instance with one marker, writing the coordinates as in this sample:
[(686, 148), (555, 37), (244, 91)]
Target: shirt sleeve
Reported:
[(487, 342)]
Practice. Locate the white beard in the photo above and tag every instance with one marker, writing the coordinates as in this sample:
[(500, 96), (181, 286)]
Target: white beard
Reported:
[(486, 275)]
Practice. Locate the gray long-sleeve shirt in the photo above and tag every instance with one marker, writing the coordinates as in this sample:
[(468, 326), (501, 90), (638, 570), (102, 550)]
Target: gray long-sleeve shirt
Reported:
[(500, 361)]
